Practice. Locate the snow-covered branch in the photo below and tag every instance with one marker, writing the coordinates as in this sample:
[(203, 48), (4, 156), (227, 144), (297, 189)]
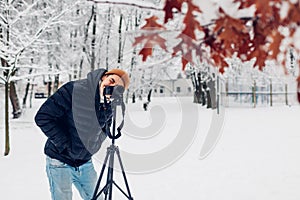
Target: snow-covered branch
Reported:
[(126, 3), (37, 74), (3, 18), (150, 65), (24, 13), (2, 80), (44, 27)]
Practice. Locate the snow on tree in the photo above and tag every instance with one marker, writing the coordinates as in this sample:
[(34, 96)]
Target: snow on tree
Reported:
[(25, 38)]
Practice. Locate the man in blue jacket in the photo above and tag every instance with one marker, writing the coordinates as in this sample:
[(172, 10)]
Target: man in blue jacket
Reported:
[(74, 119)]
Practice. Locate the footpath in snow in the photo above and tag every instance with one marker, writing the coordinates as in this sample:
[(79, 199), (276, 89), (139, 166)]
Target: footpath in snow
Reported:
[(256, 156)]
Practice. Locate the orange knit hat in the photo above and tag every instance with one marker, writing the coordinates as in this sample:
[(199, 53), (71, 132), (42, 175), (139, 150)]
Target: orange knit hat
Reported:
[(122, 74)]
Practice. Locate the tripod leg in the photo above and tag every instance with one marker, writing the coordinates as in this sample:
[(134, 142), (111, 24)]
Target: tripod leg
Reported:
[(123, 173), (95, 196), (110, 173)]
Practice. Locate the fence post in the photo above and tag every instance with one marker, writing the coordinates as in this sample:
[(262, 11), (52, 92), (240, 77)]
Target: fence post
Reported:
[(226, 92), (254, 94), (218, 94), (286, 95), (271, 93)]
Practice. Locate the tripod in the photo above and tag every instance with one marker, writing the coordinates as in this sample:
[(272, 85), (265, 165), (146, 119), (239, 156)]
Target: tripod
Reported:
[(110, 158)]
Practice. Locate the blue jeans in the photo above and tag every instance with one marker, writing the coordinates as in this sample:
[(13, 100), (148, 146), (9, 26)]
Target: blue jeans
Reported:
[(61, 176)]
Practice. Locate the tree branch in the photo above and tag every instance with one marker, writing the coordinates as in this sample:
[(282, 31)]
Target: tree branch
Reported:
[(2, 79), (37, 75), (127, 4)]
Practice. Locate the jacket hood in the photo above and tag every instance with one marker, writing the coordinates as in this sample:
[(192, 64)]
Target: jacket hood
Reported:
[(94, 77), (85, 108)]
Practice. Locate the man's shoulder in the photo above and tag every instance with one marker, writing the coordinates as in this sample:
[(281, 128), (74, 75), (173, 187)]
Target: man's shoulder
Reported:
[(67, 87), (67, 84), (77, 85)]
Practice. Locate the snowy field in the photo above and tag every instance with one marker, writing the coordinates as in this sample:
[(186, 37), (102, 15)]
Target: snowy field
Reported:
[(256, 157)]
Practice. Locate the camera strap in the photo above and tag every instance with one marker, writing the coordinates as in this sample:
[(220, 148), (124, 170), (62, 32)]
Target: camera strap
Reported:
[(122, 123), (106, 129)]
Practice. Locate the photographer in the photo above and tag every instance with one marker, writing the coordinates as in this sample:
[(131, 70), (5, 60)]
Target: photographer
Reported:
[(74, 119)]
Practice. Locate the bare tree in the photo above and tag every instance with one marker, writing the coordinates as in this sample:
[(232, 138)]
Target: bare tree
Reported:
[(22, 25)]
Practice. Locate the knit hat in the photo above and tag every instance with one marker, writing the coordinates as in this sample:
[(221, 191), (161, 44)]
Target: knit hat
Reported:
[(122, 74)]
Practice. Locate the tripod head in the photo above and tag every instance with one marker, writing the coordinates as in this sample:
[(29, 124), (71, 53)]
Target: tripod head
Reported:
[(113, 97)]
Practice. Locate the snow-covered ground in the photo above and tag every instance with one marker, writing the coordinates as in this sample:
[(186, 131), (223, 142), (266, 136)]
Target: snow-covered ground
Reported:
[(256, 157)]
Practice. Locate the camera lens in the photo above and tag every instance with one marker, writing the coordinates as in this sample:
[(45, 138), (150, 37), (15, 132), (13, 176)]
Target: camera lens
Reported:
[(108, 90)]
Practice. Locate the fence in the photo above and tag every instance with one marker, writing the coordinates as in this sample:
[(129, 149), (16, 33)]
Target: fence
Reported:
[(267, 95)]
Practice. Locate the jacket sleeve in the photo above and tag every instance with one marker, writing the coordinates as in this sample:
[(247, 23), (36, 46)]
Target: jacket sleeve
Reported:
[(49, 116)]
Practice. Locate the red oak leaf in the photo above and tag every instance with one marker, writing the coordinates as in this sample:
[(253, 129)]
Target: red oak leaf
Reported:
[(169, 6), (151, 23), (145, 52), (150, 38)]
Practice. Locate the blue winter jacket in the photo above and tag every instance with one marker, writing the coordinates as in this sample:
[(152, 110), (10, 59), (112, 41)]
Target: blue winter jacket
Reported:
[(73, 119)]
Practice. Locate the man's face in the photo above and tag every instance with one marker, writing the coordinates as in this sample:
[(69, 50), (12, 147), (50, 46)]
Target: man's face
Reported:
[(110, 80)]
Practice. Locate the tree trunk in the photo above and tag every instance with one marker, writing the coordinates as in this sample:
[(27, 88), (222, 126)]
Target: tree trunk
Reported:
[(49, 88), (120, 41), (212, 90), (209, 101), (149, 95), (93, 43), (31, 96), (133, 97), (203, 94), (108, 36), (26, 91), (7, 146), (133, 58), (198, 94), (26, 94), (80, 68), (56, 83), (193, 79), (84, 46), (14, 100), (4, 63)]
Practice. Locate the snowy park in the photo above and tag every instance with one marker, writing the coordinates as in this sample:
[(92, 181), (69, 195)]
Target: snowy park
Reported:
[(207, 103), (255, 157)]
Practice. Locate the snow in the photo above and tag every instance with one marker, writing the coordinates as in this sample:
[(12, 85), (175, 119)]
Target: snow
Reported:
[(256, 155)]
